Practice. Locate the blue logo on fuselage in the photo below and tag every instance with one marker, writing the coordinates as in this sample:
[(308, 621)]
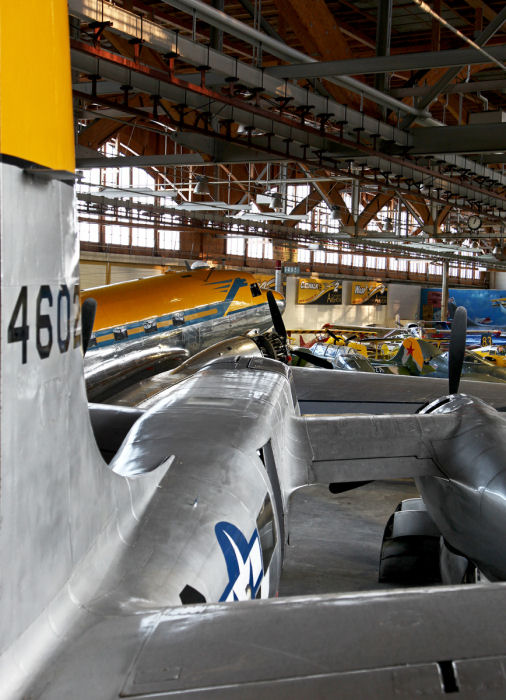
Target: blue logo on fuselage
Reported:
[(244, 562)]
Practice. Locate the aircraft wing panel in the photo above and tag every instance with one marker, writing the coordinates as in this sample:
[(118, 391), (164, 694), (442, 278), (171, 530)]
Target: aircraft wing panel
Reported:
[(354, 448), (336, 391), (406, 644)]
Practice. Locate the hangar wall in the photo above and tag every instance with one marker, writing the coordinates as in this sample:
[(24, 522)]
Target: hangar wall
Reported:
[(403, 299), (99, 272)]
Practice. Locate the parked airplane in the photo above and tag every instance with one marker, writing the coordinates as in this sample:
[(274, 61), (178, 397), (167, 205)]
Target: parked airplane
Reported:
[(189, 310), (194, 504)]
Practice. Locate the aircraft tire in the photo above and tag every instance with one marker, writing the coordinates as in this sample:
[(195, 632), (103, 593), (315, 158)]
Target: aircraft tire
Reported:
[(410, 551)]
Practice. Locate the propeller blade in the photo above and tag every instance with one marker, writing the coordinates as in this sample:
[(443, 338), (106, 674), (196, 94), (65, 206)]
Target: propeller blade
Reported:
[(333, 335), (308, 356), (277, 319), (88, 310), (457, 349)]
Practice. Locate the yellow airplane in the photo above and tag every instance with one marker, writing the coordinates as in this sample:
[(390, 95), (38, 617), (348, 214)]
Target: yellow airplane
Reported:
[(191, 310), (492, 353)]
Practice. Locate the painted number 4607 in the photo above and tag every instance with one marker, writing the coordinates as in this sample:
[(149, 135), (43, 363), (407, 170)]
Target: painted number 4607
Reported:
[(45, 328)]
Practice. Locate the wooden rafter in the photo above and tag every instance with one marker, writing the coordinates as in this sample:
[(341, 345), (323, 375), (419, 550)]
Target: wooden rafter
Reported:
[(374, 207), (320, 35)]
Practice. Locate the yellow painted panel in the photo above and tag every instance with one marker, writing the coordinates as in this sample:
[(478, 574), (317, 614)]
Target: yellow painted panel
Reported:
[(36, 122)]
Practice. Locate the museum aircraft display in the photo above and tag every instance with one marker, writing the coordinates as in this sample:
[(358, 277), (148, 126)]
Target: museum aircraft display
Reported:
[(96, 559), (191, 310), (145, 326)]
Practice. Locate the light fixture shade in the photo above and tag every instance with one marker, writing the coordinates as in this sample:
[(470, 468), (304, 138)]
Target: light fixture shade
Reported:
[(276, 201), (388, 224), (202, 186)]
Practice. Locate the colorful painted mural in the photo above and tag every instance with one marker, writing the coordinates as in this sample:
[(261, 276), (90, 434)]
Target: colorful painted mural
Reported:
[(485, 307)]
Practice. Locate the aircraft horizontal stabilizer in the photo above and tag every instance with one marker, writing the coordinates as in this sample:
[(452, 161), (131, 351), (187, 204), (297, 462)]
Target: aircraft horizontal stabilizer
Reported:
[(356, 448)]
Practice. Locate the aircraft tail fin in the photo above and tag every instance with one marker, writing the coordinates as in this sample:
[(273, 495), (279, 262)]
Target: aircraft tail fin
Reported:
[(57, 497), (413, 353)]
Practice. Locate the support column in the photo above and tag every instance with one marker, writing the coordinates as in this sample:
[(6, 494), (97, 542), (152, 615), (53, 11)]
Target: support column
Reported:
[(444, 291), (383, 34)]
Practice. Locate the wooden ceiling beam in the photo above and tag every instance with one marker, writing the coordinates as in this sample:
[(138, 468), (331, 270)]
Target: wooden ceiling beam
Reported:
[(320, 35), (373, 208)]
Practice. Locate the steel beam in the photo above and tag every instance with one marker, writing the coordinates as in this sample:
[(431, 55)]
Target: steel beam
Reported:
[(283, 51), (300, 139), (474, 138), (386, 64), (140, 161), (452, 73), (455, 88), (163, 40), (383, 34)]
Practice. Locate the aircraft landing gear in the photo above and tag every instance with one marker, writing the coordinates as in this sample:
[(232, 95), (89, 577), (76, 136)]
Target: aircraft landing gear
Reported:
[(410, 551)]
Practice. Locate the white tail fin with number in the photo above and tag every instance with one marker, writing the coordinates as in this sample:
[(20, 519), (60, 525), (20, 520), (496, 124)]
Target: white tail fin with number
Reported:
[(58, 498)]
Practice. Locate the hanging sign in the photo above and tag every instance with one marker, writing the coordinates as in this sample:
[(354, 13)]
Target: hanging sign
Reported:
[(312, 290), (368, 293)]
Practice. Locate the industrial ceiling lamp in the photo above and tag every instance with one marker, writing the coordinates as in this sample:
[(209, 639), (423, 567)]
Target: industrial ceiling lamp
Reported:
[(388, 226), (276, 201), (202, 186), (334, 212)]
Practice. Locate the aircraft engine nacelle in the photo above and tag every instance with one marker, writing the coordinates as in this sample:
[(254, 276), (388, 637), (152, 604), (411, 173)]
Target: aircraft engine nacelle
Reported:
[(214, 530), (468, 500)]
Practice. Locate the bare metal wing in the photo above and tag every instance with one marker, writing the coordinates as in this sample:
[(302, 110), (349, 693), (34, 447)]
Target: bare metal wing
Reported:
[(408, 644)]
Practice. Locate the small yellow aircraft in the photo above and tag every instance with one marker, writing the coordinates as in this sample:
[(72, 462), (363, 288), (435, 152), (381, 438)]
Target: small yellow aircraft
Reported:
[(492, 353)]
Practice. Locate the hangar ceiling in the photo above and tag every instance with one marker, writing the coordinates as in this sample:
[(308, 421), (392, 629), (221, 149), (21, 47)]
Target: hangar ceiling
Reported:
[(368, 103)]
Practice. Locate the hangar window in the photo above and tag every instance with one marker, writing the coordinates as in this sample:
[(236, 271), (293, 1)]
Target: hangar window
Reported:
[(88, 231), (235, 245), (398, 264), (117, 235), (143, 237), (378, 263), (259, 248), (169, 240), (303, 255)]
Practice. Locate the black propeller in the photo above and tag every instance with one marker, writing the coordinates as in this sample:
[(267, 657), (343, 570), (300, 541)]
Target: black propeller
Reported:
[(88, 310), (457, 349), (277, 319), (332, 335), (308, 356)]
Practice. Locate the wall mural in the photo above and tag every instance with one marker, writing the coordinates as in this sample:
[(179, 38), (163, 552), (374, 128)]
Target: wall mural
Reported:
[(485, 307)]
